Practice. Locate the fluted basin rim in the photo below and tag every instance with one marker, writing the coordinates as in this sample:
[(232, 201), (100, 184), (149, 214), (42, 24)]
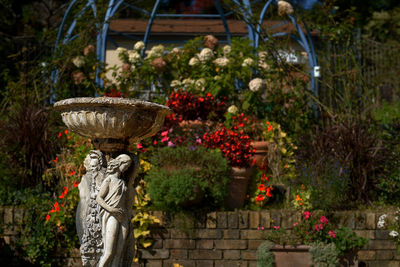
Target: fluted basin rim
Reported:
[(113, 102)]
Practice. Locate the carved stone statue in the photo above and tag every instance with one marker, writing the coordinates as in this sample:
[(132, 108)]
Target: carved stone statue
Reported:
[(113, 198), (88, 222)]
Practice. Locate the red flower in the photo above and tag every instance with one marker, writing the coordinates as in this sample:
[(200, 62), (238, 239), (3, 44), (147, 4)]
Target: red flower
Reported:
[(59, 135), (260, 198), (76, 184), (261, 187), (72, 172), (47, 217), (268, 193), (332, 234), (323, 220), (139, 146), (269, 128), (55, 160), (66, 131)]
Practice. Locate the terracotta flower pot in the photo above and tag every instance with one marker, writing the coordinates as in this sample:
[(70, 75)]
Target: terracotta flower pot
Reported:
[(289, 256), (261, 149), (237, 188)]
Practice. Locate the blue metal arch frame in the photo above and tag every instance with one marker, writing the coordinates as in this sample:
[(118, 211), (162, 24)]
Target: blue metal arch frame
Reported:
[(244, 7)]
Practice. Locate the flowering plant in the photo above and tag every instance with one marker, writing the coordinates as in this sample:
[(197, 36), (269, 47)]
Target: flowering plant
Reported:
[(393, 224), (314, 227)]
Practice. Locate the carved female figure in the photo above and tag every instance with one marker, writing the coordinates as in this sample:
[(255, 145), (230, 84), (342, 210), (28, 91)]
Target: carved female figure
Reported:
[(113, 198)]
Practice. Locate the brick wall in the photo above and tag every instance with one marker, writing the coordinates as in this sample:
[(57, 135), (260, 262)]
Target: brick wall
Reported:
[(231, 238)]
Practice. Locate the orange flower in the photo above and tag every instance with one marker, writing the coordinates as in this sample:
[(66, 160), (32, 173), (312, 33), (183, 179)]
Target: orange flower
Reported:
[(269, 128), (260, 198), (66, 131), (298, 198), (261, 187), (268, 193)]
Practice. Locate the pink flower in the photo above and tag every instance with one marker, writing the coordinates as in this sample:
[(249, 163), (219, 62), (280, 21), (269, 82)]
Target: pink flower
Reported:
[(307, 215), (165, 133), (198, 140), (262, 227), (276, 227), (139, 146), (165, 139), (295, 224), (318, 227), (323, 220), (170, 144), (332, 234)]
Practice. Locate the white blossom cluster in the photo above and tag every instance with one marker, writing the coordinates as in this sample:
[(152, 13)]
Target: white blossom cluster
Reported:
[(256, 84), (382, 221)]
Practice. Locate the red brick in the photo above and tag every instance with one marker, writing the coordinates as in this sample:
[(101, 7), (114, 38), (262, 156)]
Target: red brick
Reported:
[(205, 254), (231, 244)]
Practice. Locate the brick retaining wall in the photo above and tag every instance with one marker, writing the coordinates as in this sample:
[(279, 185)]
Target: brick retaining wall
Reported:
[(231, 238)]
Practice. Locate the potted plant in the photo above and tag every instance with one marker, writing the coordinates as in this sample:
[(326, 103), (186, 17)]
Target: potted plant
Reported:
[(324, 243), (182, 177)]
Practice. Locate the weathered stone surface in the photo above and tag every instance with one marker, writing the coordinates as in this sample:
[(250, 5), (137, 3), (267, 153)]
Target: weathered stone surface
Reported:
[(384, 255), (205, 263), (222, 220), (366, 255), (205, 244), (154, 254), (230, 244), (180, 243), (365, 233), (265, 219), (248, 255), (370, 222), (211, 220), (254, 244), (230, 263), (231, 234), (185, 263), (231, 254), (180, 254), (275, 218), (381, 244), (200, 254), (243, 219), (209, 233), (251, 234), (233, 220), (254, 219)]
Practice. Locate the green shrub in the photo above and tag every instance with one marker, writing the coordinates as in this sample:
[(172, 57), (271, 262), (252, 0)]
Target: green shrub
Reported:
[(180, 175), (324, 255)]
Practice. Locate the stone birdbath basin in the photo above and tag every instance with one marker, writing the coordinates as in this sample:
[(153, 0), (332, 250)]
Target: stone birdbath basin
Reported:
[(106, 190)]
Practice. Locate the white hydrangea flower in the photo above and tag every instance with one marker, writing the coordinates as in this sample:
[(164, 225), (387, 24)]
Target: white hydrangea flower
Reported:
[(262, 55), (284, 8), (233, 109), (139, 46), (194, 61), (206, 54), (381, 221), (264, 65), (256, 84), (175, 83), (217, 77), (227, 50), (221, 62), (78, 61), (393, 233), (248, 62), (156, 51), (175, 50), (121, 50), (158, 48), (187, 81), (134, 56), (200, 83)]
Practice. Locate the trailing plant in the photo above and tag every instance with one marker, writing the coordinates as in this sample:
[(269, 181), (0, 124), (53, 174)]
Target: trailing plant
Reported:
[(180, 176), (265, 258), (324, 255)]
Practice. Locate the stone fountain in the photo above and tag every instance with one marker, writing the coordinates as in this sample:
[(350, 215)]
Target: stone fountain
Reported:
[(103, 219)]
